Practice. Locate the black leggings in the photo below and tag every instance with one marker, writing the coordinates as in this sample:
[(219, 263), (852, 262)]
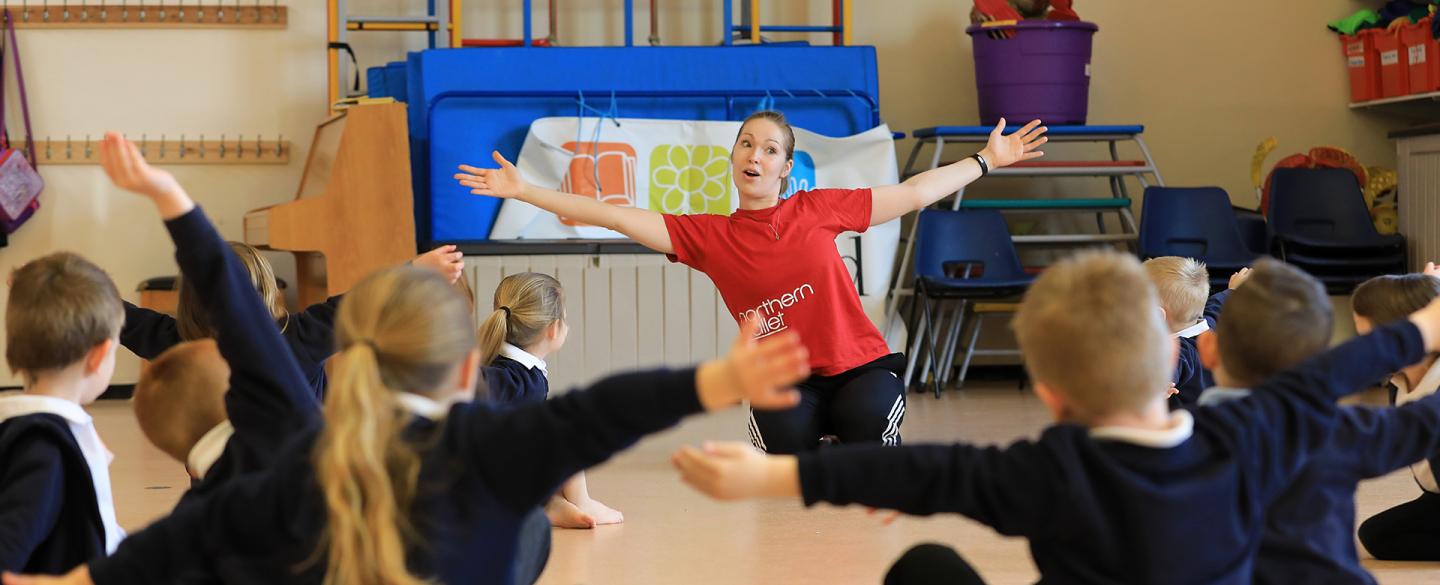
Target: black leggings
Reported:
[(1408, 532), (932, 564), (863, 405)]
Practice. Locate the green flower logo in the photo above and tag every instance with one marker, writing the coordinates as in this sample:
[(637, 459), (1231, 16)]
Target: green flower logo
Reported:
[(690, 179)]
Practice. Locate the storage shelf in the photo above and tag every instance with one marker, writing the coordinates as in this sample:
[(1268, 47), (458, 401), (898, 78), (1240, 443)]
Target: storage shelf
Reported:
[(1418, 98)]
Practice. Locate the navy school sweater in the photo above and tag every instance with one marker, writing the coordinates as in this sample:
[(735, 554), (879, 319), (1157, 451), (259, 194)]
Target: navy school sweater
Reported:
[(483, 469), (1191, 378), (49, 519), (510, 382), (1309, 529), (309, 334), (507, 380), (1107, 511), (269, 400)]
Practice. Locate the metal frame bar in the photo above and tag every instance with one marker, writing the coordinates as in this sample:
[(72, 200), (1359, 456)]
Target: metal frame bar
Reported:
[(983, 138), (898, 291), (527, 39), (629, 23), (749, 24), (1076, 171), (392, 19), (437, 24), (728, 95), (791, 28)]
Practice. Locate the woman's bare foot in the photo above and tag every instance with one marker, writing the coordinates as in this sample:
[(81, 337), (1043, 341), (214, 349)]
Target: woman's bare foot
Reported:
[(563, 514), (601, 513)]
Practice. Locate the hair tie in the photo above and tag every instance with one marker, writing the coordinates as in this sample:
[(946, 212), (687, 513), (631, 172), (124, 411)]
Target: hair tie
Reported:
[(507, 311), (370, 343)]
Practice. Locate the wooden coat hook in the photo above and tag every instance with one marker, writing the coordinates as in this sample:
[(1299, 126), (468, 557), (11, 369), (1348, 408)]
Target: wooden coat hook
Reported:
[(254, 14), (169, 150)]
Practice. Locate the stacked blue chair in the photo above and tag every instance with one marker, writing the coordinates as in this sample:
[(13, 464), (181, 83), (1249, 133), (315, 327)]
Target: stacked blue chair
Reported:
[(1194, 223), (1320, 223), (1254, 230), (961, 256)]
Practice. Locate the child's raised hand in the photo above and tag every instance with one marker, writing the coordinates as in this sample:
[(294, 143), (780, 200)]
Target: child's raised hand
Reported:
[(1020, 145), (733, 471), (128, 170), (1239, 278), (504, 182), (446, 260), (761, 371)]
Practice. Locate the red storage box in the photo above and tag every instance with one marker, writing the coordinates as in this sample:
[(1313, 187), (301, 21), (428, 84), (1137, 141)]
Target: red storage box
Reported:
[(1421, 56), (1363, 64), (1394, 71)]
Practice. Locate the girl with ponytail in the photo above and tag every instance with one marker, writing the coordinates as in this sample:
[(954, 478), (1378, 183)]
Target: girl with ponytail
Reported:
[(526, 325), (410, 481)]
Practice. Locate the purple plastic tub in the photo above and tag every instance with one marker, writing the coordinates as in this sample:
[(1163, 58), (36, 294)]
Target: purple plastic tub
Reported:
[(1041, 72)]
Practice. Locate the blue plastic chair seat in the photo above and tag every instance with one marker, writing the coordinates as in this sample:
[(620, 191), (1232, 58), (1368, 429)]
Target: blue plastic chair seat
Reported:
[(1351, 262), (1358, 244)]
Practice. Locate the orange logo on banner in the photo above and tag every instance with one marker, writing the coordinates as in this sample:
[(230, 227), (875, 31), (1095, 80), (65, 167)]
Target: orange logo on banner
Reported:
[(602, 170)]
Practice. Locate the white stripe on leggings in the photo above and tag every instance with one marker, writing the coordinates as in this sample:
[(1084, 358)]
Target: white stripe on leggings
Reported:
[(755, 438), (892, 430)]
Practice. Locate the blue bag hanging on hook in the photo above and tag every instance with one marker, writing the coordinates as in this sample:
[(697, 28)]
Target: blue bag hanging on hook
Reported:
[(20, 183)]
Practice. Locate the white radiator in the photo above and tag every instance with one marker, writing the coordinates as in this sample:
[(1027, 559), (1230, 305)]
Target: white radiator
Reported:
[(1419, 205), (625, 312)]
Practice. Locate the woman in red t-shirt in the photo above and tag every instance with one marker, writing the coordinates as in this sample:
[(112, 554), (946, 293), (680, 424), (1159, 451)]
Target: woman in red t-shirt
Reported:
[(775, 261)]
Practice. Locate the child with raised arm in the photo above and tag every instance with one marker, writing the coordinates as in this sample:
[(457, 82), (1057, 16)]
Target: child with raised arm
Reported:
[(1278, 318), (1120, 490), (1182, 285), (410, 480), (309, 334)]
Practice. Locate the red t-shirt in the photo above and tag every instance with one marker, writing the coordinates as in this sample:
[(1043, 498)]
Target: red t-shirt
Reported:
[(781, 264)]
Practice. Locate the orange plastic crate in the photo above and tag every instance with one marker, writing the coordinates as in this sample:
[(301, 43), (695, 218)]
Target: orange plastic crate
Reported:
[(1421, 57), (1394, 71), (1363, 63)]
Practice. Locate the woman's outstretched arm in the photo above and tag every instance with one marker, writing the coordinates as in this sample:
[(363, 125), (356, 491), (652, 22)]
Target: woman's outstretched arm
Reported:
[(642, 225), (919, 191)]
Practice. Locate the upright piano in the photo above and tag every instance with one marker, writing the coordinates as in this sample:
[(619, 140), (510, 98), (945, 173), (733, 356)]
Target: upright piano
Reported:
[(354, 211)]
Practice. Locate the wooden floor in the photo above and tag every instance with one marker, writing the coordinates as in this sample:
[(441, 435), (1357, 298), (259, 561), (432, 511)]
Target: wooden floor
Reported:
[(672, 535)]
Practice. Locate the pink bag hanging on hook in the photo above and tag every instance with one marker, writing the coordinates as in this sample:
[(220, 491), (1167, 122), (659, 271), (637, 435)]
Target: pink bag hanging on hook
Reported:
[(20, 183)]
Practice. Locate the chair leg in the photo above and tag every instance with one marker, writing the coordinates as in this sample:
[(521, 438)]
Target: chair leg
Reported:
[(917, 339), (939, 332), (970, 348), (952, 340), (1127, 221), (931, 341)]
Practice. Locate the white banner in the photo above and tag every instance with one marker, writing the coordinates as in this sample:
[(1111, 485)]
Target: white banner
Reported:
[(683, 166)]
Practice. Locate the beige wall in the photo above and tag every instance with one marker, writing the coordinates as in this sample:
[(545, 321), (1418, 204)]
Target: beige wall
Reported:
[(1210, 79)]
